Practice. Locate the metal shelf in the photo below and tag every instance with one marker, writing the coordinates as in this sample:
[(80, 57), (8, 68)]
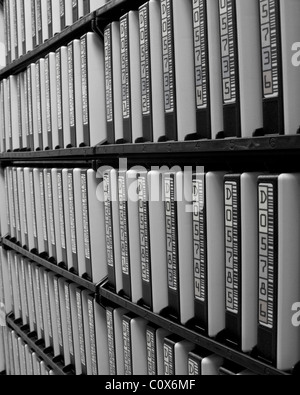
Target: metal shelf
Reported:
[(216, 347), (34, 344), (50, 266), (79, 28), (105, 14), (259, 152)]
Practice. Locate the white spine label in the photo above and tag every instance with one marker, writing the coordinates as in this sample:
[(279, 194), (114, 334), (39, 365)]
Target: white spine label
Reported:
[(61, 211), (127, 348), (232, 247), (168, 360), (84, 77), (108, 74), (266, 255), (72, 213), (80, 327), (125, 67), (123, 225), (171, 233), (85, 216), (269, 47), (151, 353), (228, 52), (50, 203), (108, 220), (111, 343), (144, 229), (92, 337), (199, 238), (71, 85), (200, 40), (145, 59), (168, 61)]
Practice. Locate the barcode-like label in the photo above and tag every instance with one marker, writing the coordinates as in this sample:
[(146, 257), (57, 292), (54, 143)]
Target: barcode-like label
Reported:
[(62, 8), (193, 367), (266, 254), (13, 218), (17, 355), (8, 30), (228, 42), (125, 67), (38, 366), (49, 11), (23, 199), (39, 14), (18, 290), (85, 216), (59, 88), (92, 337), (151, 353), (200, 52), (144, 228), (108, 220), (30, 108), (71, 85), (145, 59), (69, 320), (80, 328), (171, 232), (26, 108), (127, 348), (10, 279), (84, 82), (58, 316), (2, 110), (232, 246), (14, 5), (31, 293), (108, 74), (33, 204), (24, 287), (8, 208), (51, 213), (269, 46), (20, 123), (48, 303), (123, 224), (61, 210), (23, 360), (9, 108), (5, 25), (168, 360), (72, 213), (16, 200), (38, 97), (199, 237), (29, 364), (48, 95), (111, 343), (168, 60), (22, 20), (39, 297), (33, 21), (43, 206)]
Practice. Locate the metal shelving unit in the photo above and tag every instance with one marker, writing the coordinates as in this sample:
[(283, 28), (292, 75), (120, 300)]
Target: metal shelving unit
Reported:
[(32, 341), (264, 153), (50, 266), (247, 361)]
